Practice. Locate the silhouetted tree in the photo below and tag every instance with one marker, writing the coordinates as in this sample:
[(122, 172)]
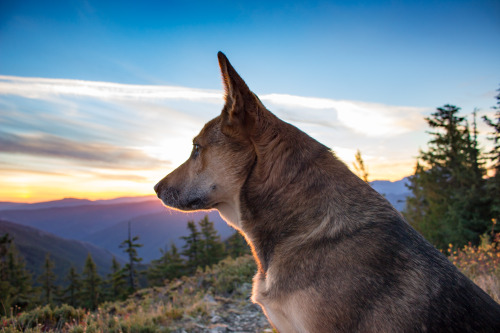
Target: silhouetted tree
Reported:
[(448, 202), (212, 249), (130, 246), (169, 266), (91, 284), (237, 245), (47, 280), (72, 293), (493, 184), (15, 281), (192, 248), (117, 281)]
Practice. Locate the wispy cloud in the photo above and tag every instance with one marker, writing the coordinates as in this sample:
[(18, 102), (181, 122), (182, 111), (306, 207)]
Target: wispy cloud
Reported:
[(370, 119), (96, 154), (42, 88)]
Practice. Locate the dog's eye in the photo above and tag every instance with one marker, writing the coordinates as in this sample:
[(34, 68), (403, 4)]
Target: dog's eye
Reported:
[(196, 150)]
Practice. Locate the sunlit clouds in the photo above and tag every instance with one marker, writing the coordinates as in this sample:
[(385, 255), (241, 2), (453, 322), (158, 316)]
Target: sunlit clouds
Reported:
[(41, 88), (367, 119), (72, 138)]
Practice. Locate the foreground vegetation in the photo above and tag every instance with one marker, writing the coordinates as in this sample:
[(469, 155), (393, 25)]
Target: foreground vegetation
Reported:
[(217, 297), (480, 263), (196, 303), (85, 288)]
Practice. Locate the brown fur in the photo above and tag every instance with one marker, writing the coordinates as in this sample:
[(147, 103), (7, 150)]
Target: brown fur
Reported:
[(333, 255)]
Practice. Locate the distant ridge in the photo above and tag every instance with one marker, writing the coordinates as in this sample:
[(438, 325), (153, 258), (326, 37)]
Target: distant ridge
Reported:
[(33, 244), (70, 202), (396, 192)]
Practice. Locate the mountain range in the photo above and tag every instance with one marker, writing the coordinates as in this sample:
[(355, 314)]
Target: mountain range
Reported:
[(105, 223), (100, 226)]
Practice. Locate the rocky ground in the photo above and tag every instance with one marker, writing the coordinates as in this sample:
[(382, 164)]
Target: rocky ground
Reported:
[(227, 315)]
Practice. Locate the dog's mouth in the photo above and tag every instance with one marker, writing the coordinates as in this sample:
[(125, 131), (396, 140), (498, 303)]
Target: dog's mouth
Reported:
[(172, 197), (195, 204)]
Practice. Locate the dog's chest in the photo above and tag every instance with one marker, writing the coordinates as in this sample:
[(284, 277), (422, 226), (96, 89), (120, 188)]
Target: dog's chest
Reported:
[(286, 313)]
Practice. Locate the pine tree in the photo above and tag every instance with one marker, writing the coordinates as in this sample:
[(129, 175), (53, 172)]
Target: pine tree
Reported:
[(91, 284), (117, 281), (448, 203), (72, 293), (493, 184), (47, 280), (15, 283), (192, 248), (169, 266), (237, 245), (212, 249), (130, 246)]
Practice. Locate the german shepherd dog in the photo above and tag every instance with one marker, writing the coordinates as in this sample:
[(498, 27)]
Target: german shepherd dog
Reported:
[(333, 255)]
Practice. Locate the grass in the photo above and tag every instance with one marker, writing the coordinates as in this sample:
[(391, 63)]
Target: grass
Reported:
[(185, 303), (480, 263)]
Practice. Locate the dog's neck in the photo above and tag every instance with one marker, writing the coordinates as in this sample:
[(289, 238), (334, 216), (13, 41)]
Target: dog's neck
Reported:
[(230, 212)]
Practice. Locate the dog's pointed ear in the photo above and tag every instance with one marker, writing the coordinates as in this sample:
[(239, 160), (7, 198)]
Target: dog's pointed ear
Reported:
[(240, 111)]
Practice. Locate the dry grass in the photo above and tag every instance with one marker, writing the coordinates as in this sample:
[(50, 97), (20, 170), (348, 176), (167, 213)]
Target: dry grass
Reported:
[(480, 263)]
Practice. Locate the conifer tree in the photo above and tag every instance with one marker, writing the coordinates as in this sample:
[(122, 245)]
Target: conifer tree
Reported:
[(15, 281), (130, 246), (493, 184), (448, 202), (169, 266), (192, 248), (237, 246), (47, 280), (72, 293), (117, 281), (212, 249), (91, 284)]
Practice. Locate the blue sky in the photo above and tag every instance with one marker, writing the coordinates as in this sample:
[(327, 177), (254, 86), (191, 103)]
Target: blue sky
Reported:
[(353, 74)]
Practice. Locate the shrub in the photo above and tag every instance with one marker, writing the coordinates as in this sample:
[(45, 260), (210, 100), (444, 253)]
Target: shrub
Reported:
[(480, 263)]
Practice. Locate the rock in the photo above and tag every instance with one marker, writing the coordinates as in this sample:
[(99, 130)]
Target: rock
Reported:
[(215, 319), (218, 329)]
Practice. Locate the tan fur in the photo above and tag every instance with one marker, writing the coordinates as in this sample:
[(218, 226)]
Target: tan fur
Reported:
[(333, 255)]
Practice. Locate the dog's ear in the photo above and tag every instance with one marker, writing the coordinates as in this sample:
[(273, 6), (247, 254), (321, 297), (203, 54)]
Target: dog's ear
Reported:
[(242, 107)]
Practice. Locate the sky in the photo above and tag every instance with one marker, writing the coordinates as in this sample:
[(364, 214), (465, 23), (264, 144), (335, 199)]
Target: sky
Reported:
[(101, 99)]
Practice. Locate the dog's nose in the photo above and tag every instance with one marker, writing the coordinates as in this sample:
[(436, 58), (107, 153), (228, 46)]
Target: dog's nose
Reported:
[(157, 187)]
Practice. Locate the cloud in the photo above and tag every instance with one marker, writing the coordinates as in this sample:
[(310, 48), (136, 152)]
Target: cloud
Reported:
[(42, 88), (95, 154), (369, 119)]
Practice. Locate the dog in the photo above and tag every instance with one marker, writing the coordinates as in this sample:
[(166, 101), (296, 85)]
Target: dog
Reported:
[(332, 254)]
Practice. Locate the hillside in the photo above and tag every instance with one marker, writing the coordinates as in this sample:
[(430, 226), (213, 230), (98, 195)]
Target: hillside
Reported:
[(156, 231), (33, 244)]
